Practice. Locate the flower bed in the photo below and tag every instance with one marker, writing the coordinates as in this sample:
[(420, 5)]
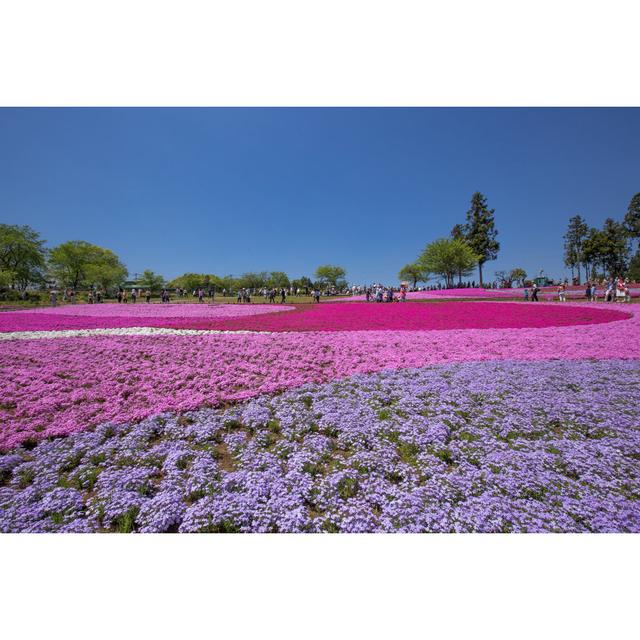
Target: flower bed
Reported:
[(59, 386), (468, 447), (417, 317), (332, 317)]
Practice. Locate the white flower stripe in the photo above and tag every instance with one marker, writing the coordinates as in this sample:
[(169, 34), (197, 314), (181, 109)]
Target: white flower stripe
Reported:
[(123, 331)]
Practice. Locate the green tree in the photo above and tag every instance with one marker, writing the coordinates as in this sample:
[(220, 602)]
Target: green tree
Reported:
[(252, 280), (480, 231), (634, 268), (302, 283), (632, 218), (616, 247), (151, 281), (106, 270), (278, 280), (227, 283), (592, 252), (78, 263), (457, 233), (188, 281), (22, 256), (518, 275), (331, 275), (413, 272), (574, 239), (448, 257)]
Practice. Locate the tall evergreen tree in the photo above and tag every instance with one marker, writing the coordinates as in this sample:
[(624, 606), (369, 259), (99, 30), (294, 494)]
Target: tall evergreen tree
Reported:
[(577, 233), (616, 247), (632, 218), (593, 253), (457, 233), (480, 231)]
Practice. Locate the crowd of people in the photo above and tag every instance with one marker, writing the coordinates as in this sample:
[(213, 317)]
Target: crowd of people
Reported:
[(614, 290), (380, 293)]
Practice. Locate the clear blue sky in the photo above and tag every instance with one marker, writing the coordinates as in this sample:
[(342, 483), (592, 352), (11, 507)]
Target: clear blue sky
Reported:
[(232, 190)]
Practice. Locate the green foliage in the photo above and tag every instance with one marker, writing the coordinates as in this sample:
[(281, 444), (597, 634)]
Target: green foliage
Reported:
[(507, 278), (448, 257), (574, 239), (458, 232), (26, 475), (606, 249), (193, 281), (592, 251), (78, 264), (125, 523), (106, 271), (22, 256), (347, 487), (302, 283), (252, 280), (414, 272), (278, 280), (518, 275), (615, 247), (480, 231), (227, 283), (634, 268), (330, 275), (445, 455), (632, 217), (408, 451), (151, 281)]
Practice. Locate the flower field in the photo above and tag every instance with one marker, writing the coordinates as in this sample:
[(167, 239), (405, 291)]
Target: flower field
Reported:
[(456, 416)]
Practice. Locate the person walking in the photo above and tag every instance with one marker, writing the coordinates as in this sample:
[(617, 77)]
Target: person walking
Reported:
[(534, 293), (283, 295), (147, 295), (53, 298)]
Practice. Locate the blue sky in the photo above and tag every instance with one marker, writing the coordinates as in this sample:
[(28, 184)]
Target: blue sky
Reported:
[(231, 190)]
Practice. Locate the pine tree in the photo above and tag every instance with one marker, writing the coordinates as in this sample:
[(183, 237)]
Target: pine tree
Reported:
[(457, 233), (632, 218), (577, 232), (616, 247), (480, 231)]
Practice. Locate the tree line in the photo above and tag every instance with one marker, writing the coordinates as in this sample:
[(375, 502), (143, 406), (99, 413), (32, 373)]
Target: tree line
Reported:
[(606, 252), (471, 245), (26, 263)]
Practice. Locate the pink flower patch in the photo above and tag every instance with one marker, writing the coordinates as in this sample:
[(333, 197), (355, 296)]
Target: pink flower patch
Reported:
[(116, 316), (443, 316)]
